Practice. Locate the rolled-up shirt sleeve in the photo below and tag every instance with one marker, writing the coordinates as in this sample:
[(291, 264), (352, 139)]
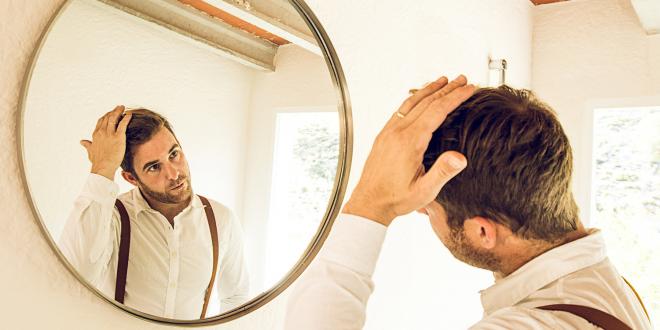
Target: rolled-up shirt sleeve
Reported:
[(333, 291), (91, 231)]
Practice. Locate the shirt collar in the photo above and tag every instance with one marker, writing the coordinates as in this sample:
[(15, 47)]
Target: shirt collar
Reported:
[(141, 204), (543, 270)]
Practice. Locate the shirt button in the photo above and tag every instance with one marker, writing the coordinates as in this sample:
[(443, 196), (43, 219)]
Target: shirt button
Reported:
[(172, 285), (173, 254)]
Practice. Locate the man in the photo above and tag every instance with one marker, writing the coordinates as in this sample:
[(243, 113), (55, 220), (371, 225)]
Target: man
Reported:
[(169, 267), (510, 210)]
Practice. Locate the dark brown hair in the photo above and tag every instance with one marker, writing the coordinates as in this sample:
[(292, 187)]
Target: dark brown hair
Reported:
[(519, 164), (143, 126)]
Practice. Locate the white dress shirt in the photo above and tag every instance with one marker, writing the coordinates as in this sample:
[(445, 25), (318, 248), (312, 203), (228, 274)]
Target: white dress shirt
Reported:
[(333, 292), (169, 267)]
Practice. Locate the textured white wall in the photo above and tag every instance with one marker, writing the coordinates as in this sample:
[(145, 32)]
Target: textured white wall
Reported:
[(588, 54), (386, 47)]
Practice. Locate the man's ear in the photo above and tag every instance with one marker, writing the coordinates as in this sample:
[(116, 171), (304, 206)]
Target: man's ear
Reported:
[(128, 176), (481, 231)]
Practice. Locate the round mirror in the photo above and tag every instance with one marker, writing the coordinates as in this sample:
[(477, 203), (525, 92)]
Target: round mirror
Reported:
[(234, 160)]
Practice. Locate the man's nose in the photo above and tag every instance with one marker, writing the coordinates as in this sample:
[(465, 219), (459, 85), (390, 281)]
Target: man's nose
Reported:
[(172, 172)]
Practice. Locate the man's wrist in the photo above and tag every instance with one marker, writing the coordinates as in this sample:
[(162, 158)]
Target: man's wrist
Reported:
[(110, 174), (371, 211)]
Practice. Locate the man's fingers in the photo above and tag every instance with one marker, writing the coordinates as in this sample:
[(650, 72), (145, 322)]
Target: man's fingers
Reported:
[(419, 95), (422, 106), (447, 166), (123, 124), (438, 110), (113, 117)]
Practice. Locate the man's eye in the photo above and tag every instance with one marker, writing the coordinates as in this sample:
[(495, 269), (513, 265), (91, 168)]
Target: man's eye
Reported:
[(174, 154), (154, 167)]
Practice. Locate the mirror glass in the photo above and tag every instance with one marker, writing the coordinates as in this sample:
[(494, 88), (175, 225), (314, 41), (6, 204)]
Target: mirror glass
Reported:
[(255, 120)]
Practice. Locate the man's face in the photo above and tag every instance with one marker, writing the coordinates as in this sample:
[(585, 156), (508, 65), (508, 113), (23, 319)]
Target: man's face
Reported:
[(162, 169), (457, 242)]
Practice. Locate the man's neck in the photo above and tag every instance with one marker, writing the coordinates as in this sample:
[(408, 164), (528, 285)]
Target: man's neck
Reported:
[(523, 255), (169, 211)]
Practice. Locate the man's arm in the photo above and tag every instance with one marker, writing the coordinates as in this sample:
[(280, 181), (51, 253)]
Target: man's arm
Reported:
[(333, 292), (340, 276), (233, 281), (90, 233)]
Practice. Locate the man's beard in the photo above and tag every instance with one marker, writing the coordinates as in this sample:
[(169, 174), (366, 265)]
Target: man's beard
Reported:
[(167, 197), (460, 248)]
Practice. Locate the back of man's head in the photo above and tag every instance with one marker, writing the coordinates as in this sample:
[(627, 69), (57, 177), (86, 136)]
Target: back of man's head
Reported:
[(519, 164), (143, 126)]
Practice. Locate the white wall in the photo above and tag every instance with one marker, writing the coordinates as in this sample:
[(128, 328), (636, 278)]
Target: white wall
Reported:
[(96, 57), (588, 54), (383, 56)]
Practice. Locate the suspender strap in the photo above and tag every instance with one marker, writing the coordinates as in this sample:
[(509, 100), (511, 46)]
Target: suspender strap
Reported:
[(124, 245), (597, 317), (214, 238)]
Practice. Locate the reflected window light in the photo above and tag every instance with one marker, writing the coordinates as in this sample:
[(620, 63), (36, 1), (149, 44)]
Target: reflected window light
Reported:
[(306, 149), (625, 199)]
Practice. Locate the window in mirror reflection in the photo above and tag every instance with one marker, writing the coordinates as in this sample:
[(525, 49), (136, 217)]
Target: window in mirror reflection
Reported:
[(305, 148), (626, 195)]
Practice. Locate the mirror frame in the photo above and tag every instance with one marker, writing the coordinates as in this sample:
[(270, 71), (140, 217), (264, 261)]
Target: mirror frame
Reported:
[(332, 210)]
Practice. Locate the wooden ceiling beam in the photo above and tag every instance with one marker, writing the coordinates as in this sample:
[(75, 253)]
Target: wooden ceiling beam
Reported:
[(204, 30), (235, 21), (278, 17)]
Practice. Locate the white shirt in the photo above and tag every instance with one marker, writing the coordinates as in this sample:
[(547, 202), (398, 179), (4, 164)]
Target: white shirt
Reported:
[(333, 291), (169, 267)]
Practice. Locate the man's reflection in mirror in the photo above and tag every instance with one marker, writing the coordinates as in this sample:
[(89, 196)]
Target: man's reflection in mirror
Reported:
[(152, 248)]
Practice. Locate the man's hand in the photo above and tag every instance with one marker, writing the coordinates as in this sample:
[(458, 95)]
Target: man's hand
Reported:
[(106, 150), (393, 181)]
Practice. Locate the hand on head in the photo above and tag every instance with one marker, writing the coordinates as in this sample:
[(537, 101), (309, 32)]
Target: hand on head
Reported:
[(106, 150), (393, 181)]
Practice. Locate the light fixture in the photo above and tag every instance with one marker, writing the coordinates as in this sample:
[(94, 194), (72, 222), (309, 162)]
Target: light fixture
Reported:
[(496, 72)]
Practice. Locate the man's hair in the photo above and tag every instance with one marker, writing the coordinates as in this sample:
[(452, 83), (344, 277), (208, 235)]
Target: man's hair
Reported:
[(143, 126), (519, 164)]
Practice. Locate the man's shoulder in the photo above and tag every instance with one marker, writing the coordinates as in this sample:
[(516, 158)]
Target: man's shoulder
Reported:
[(126, 198)]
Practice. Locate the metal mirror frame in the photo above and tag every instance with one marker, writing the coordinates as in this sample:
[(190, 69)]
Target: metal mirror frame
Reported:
[(332, 210)]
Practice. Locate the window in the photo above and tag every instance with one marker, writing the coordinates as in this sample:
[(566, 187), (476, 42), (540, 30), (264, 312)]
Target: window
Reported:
[(626, 195), (305, 162)]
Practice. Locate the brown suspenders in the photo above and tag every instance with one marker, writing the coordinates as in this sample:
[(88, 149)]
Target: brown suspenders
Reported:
[(214, 237), (595, 316), (125, 242), (124, 246)]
